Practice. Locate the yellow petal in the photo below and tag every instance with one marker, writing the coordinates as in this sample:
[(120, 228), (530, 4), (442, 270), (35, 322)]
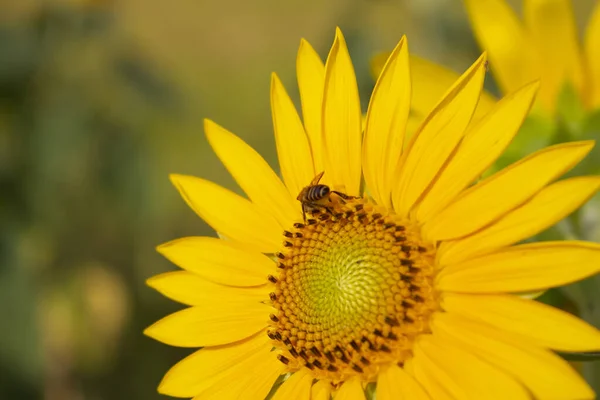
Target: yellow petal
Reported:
[(437, 138), (230, 214), (393, 383), (552, 27), (434, 378), (430, 81), (546, 208), (504, 191), (545, 374), (311, 80), (213, 324), (201, 370), (254, 385), (218, 260), (293, 149), (386, 123), (350, 390), (296, 387), (478, 379), (253, 174), (484, 142), (592, 54), (523, 268), (193, 290), (501, 34), (341, 120), (321, 390), (546, 326)]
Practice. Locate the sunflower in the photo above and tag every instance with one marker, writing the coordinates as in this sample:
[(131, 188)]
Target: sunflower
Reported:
[(545, 46), (408, 283)]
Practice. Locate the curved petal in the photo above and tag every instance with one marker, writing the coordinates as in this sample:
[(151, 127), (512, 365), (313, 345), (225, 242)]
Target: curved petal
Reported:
[(393, 383), (253, 174), (342, 121), (475, 377), (430, 81), (386, 124), (230, 214), (523, 268), (501, 34), (592, 55), (296, 387), (433, 378), (436, 139), (484, 142), (545, 374), (220, 261), (350, 390), (311, 80), (193, 290), (550, 205), (293, 148), (223, 322), (205, 369), (553, 31), (321, 390), (502, 192), (543, 325)]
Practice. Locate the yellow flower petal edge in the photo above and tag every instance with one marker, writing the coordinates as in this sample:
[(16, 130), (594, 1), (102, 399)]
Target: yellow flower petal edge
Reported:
[(436, 139), (342, 125), (296, 387), (430, 81), (481, 379), (547, 207), (321, 390), (592, 55), (438, 383), (523, 268), (193, 290), (198, 371), (350, 390), (484, 142), (386, 124), (252, 173), (394, 383), (244, 221), (311, 80), (551, 26), (533, 366), (223, 323), (539, 323), (500, 193), (501, 34), (221, 261), (293, 149)]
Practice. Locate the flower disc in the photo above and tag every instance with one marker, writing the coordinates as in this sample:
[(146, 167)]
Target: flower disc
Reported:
[(355, 289)]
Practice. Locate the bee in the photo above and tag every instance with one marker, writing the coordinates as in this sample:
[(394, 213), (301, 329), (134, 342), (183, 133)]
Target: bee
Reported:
[(317, 195)]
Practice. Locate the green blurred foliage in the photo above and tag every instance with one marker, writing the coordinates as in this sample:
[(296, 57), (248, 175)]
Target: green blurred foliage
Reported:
[(100, 100)]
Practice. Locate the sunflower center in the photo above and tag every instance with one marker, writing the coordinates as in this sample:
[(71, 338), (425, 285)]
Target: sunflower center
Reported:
[(355, 289)]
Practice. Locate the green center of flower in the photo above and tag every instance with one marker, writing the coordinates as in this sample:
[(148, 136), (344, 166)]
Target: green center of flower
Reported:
[(355, 289)]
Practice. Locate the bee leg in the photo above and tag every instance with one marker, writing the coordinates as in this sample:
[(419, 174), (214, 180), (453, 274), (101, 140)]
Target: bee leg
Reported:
[(304, 212), (344, 195)]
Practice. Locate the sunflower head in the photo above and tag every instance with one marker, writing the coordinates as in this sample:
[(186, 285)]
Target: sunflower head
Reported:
[(393, 266)]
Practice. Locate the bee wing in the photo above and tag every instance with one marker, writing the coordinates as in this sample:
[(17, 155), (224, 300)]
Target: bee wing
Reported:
[(317, 178)]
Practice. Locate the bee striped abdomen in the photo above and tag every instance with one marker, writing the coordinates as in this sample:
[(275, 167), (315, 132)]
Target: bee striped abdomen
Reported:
[(317, 192)]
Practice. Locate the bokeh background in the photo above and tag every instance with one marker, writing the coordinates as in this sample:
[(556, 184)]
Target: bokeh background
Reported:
[(99, 101)]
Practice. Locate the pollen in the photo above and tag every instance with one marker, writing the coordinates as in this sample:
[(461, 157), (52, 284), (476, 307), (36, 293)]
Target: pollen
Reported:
[(355, 288)]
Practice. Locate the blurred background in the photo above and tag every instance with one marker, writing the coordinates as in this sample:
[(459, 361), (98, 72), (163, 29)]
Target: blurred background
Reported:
[(99, 101)]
